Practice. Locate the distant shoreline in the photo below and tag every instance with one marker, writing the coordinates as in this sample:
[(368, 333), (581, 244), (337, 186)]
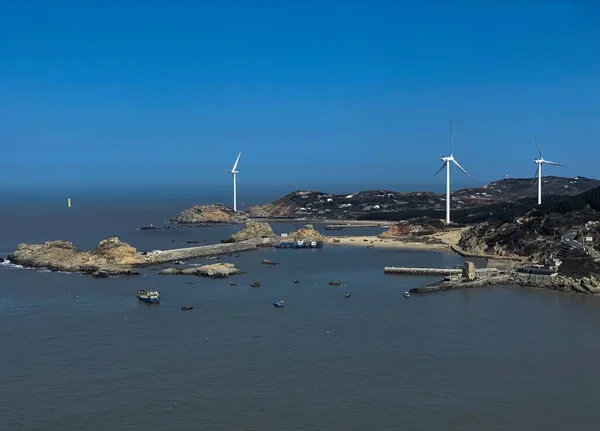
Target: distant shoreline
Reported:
[(380, 223)]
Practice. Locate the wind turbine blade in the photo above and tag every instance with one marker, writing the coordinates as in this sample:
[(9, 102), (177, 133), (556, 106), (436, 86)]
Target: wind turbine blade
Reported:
[(236, 162), (537, 145), (462, 169), (438, 171), (536, 174), (553, 163)]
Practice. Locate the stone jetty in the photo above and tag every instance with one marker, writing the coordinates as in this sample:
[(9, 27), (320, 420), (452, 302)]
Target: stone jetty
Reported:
[(163, 256), (462, 284), (421, 271)]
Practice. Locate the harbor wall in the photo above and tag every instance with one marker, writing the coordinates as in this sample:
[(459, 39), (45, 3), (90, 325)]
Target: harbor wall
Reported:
[(482, 272), (442, 286), (421, 271), (201, 251), (541, 280)]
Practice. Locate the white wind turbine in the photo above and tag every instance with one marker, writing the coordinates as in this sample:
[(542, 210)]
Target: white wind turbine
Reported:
[(446, 163), (234, 172), (539, 162)]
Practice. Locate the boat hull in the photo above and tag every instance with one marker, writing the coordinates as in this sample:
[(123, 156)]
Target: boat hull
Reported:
[(149, 300)]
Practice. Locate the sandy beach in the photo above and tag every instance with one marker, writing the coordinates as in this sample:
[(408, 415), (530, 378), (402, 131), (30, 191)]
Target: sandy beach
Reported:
[(446, 238), (373, 241)]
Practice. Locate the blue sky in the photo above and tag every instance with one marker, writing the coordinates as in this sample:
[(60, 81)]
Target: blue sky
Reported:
[(312, 92)]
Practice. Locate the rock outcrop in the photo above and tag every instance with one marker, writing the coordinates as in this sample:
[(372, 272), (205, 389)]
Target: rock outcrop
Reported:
[(590, 285), (210, 214), (111, 257), (412, 227), (307, 233), (534, 238), (216, 270), (253, 230)]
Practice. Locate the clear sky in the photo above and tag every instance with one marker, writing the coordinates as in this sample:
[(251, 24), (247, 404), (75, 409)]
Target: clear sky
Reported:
[(312, 92)]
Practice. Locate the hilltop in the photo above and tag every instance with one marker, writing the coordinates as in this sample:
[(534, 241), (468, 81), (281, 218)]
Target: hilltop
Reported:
[(391, 205), (568, 227)]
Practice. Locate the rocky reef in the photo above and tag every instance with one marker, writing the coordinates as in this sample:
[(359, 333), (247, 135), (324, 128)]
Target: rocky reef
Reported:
[(216, 270), (412, 228), (210, 214), (111, 257), (253, 230), (306, 233)]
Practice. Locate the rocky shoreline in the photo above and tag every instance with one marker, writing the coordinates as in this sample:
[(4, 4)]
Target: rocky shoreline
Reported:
[(113, 257), (469, 280)]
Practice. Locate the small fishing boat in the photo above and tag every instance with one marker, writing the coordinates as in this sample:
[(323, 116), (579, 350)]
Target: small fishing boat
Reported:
[(296, 281), (186, 307), (233, 283), (255, 284), (151, 296), (278, 303), (347, 295), (335, 283), (406, 295)]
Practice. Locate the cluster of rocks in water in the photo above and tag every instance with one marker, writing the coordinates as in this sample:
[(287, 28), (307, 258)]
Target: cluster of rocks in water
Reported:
[(216, 270), (111, 257), (212, 214), (114, 257)]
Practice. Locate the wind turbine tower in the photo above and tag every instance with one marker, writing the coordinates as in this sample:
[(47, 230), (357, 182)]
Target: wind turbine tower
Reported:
[(446, 161), (539, 162), (234, 172)]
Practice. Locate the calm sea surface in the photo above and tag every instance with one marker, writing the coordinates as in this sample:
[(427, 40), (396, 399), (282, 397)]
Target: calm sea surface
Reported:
[(84, 354)]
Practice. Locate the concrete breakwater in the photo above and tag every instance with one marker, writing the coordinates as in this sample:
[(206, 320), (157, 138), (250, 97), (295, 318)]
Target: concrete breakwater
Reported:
[(354, 225), (421, 271), (448, 285), (480, 272), (162, 256)]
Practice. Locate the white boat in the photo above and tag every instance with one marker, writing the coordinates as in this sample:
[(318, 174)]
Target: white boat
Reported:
[(406, 295)]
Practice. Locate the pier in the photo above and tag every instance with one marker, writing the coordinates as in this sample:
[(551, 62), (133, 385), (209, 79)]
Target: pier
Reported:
[(441, 286), (355, 225), (480, 272), (421, 271), (163, 256)]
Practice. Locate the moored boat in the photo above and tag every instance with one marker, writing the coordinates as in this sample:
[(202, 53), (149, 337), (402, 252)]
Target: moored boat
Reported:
[(406, 295), (148, 295), (347, 295), (186, 307), (278, 302)]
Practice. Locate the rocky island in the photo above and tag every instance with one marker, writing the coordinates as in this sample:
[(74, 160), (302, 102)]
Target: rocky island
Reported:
[(215, 270), (111, 257), (213, 214), (553, 245), (253, 230)]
